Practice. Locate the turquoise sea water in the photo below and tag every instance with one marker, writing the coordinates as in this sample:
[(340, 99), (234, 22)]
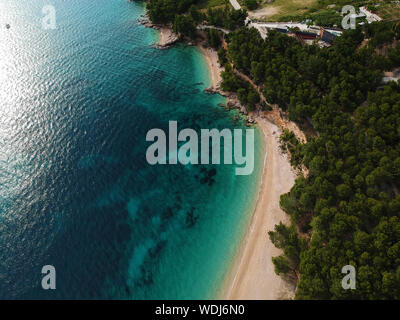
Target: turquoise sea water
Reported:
[(76, 191)]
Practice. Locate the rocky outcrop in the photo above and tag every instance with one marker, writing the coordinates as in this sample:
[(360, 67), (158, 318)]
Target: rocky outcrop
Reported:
[(167, 36), (234, 103), (218, 90)]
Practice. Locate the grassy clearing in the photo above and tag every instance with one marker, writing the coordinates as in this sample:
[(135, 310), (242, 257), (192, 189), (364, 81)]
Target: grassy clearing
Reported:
[(286, 10), (389, 11), (317, 10), (280, 8)]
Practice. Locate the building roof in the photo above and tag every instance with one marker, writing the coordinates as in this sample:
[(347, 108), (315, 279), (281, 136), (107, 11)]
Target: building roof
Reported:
[(282, 30), (327, 36), (306, 35)]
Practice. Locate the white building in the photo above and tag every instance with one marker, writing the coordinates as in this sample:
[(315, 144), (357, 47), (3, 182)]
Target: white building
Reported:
[(371, 17)]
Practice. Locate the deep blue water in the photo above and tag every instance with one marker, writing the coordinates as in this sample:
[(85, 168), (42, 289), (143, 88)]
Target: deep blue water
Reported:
[(76, 191)]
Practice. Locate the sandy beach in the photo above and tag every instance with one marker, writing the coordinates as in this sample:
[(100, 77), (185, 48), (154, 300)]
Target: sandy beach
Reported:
[(167, 37), (215, 69), (252, 273)]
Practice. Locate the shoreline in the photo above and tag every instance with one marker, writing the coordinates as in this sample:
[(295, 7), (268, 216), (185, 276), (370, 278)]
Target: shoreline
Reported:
[(211, 57), (251, 275), (166, 37)]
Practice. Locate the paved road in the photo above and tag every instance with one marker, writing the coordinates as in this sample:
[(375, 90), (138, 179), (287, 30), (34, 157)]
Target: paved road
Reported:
[(235, 4), (263, 27)]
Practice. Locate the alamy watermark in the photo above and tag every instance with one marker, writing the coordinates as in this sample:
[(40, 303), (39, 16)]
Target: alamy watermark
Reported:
[(188, 153), (49, 280), (349, 17), (349, 280)]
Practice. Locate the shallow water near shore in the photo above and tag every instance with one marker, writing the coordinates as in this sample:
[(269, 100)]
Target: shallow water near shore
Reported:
[(76, 191)]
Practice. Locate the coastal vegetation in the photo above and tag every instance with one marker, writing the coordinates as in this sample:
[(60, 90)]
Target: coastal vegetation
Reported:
[(251, 4), (204, 4), (184, 25), (346, 210), (164, 11), (186, 15), (217, 12), (226, 17)]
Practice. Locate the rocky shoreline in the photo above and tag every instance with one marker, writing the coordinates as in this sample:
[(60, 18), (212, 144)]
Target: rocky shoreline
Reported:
[(167, 39), (215, 70), (233, 103), (167, 36)]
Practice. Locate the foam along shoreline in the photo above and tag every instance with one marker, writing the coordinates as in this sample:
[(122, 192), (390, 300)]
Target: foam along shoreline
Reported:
[(251, 275)]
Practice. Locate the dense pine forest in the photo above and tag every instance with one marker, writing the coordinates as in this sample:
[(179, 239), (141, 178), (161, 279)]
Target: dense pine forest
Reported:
[(346, 210), (185, 15)]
